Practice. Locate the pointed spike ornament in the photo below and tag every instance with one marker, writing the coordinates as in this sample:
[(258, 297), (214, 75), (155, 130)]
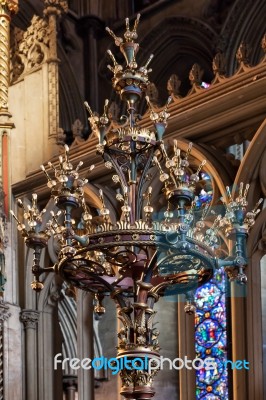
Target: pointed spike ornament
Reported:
[(118, 40), (144, 68), (104, 211), (148, 209)]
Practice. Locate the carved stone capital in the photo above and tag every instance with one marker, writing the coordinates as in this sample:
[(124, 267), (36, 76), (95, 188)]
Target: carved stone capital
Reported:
[(4, 314), (29, 318), (56, 7)]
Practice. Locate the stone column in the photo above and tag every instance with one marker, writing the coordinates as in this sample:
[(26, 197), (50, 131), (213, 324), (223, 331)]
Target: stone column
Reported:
[(70, 387), (91, 28), (53, 9), (4, 315), (255, 327), (186, 345), (30, 319), (85, 344), (7, 7), (238, 327), (50, 380)]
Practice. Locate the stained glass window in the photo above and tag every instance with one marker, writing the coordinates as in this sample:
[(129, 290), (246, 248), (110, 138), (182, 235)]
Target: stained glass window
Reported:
[(210, 326), (211, 339)]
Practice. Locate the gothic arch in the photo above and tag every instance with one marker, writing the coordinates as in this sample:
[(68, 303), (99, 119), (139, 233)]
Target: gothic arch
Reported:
[(243, 24), (252, 170), (179, 41)]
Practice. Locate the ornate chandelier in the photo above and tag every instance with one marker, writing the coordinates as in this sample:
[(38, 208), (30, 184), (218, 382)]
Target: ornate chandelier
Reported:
[(141, 255)]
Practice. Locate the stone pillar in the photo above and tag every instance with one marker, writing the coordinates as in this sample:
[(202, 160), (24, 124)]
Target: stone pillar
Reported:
[(186, 344), (50, 380), (30, 319), (7, 7), (254, 329), (4, 315), (53, 9), (85, 344), (238, 318), (91, 28), (70, 387)]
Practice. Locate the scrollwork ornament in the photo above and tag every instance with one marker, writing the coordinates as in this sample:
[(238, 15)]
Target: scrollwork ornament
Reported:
[(33, 48)]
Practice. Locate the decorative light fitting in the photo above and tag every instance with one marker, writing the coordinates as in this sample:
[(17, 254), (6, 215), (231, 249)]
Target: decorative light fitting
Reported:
[(136, 258)]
